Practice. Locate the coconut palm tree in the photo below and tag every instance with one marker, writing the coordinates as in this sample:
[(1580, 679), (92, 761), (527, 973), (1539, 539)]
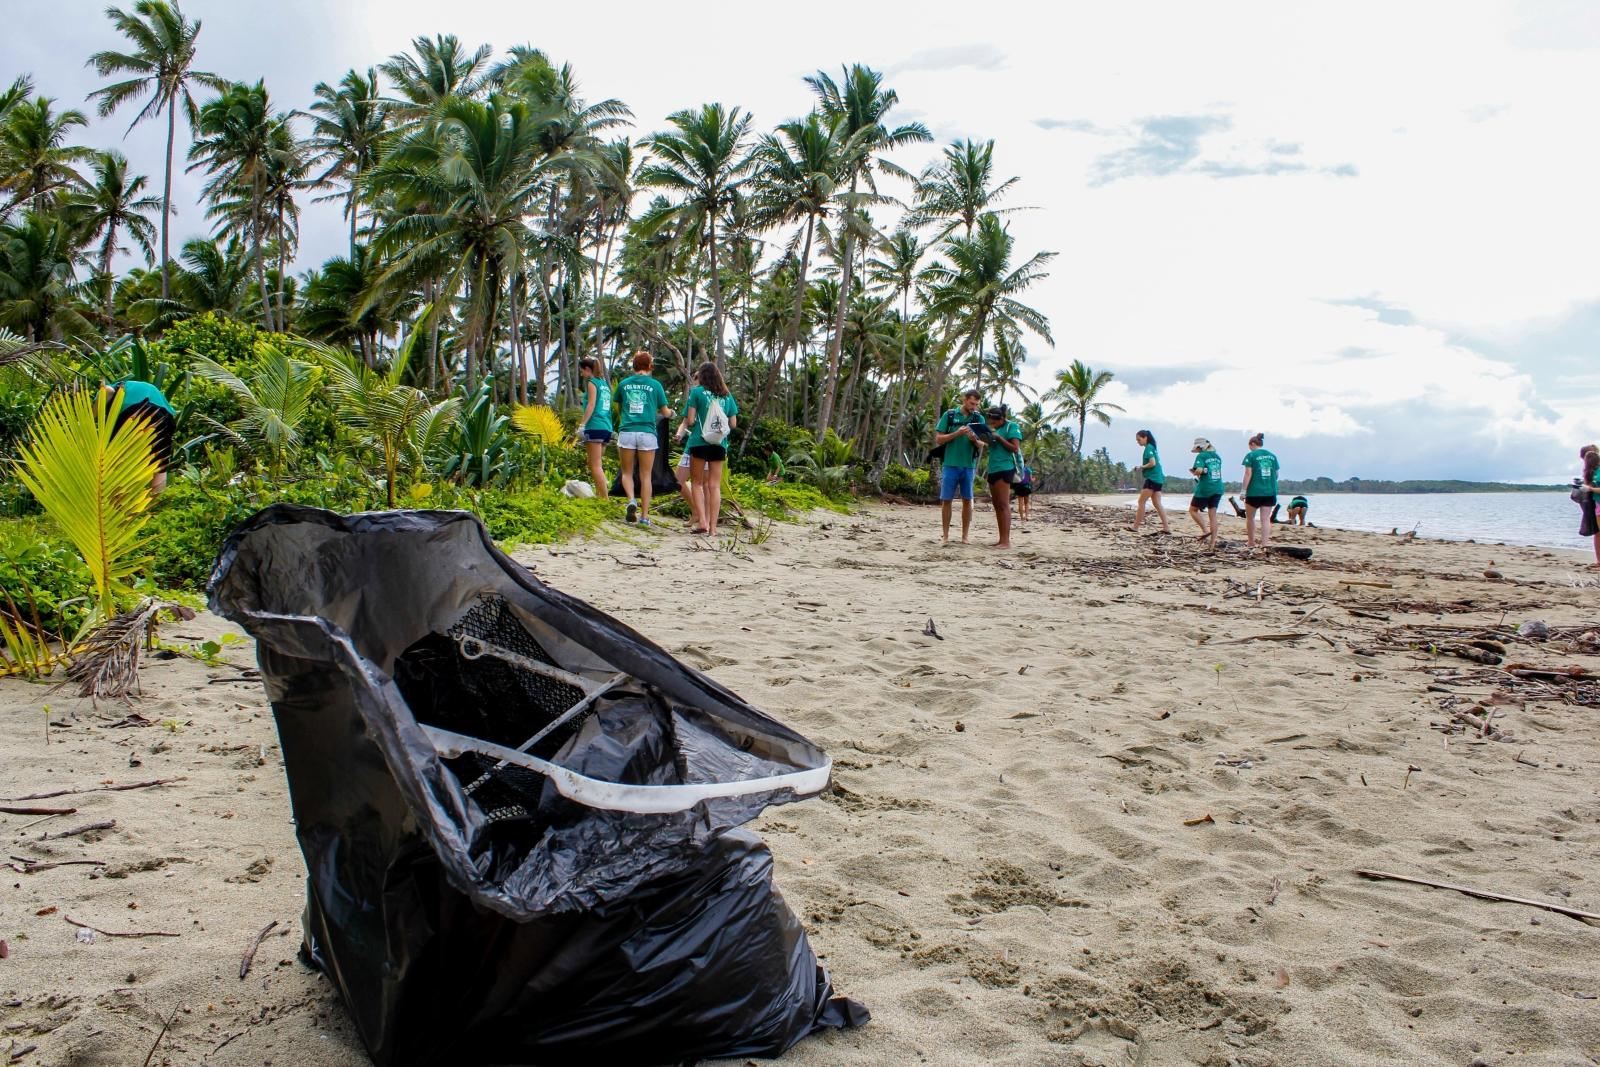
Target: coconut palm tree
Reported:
[(38, 287), (796, 177), (335, 307), (160, 63), (896, 272), (956, 189), (37, 165), (1076, 393), (978, 290), (442, 68), (860, 105), (348, 125), (110, 206), (704, 160)]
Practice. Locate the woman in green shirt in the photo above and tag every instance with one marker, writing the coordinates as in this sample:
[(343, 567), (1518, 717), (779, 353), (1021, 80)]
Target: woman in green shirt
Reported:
[(1207, 470), (643, 402), (1154, 481), (596, 425), (1005, 447), (1260, 491), (144, 402), (708, 441)]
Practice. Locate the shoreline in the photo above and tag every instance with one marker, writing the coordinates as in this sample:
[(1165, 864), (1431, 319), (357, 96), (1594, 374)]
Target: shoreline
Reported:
[(1114, 815)]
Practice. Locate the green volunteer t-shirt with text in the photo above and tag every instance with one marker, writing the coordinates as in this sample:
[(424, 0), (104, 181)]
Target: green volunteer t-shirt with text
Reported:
[(1263, 466), (600, 418), (1209, 464), (1002, 459), (640, 396), (960, 452), (1153, 473)]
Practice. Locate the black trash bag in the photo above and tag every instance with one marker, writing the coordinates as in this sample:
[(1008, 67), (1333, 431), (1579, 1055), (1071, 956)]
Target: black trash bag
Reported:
[(518, 814), (662, 480)]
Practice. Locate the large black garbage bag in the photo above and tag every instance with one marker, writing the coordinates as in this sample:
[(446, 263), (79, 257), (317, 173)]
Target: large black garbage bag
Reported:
[(518, 815), (662, 480)]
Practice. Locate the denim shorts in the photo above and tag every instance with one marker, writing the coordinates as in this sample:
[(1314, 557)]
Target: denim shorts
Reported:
[(597, 437), (638, 441), (956, 481)]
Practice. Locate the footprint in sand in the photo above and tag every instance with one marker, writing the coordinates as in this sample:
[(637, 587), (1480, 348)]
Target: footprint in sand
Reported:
[(702, 659)]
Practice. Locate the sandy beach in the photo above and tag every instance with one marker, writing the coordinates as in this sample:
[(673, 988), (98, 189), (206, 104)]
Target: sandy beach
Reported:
[(1112, 815)]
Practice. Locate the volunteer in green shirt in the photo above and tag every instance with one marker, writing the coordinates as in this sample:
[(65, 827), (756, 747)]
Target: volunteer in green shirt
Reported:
[(643, 403), (1005, 448), (135, 399), (1207, 470), (960, 460), (707, 457), (1154, 481), (1297, 510), (595, 433), (1260, 491)]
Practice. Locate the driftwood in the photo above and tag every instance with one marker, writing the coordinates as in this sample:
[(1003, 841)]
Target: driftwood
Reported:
[(84, 829), (1482, 894), (24, 865), (1372, 585), (250, 953), (98, 789), (123, 933), (12, 809), (1266, 637)]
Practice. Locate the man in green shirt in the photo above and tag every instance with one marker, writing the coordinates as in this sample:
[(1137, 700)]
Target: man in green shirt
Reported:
[(135, 399), (1207, 469), (960, 462), (1005, 447)]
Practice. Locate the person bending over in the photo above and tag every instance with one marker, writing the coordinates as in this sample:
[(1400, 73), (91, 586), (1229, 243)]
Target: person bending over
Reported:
[(1297, 511), (1260, 492), (1207, 470), (135, 399), (1005, 447), (955, 435)]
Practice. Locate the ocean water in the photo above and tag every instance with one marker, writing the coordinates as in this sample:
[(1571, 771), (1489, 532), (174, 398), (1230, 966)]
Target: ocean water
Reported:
[(1544, 520)]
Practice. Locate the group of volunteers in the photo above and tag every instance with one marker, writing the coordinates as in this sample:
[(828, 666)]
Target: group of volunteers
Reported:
[(961, 436), (707, 418), (1260, 490)]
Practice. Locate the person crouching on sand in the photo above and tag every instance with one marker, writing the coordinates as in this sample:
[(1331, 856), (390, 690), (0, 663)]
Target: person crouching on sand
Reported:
[(1154, 481), (1005, 446), (1207, 470), (1260, 491)]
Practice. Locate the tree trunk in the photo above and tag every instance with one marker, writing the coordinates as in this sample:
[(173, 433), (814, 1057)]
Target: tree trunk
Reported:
[(261, 266), (831, 383), (794, 328), (716, 300), (898, 401), (166, 199), (106, 251), (353, 217)]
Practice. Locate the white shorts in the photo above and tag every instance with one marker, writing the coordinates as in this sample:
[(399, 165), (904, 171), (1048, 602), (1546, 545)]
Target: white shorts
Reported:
[(638, 441), (683, 461)]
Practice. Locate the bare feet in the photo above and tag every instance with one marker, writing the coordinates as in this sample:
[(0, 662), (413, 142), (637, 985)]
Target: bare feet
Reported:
[(1001, 544)]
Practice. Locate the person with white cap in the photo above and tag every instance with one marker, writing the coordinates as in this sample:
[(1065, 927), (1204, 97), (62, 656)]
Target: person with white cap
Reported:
[(1207, 470)]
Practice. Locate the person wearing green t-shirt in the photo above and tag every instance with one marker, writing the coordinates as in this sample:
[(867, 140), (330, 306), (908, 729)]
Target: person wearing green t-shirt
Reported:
[(1004, 452), (959, 463), (706, 458), (1149, 469), (1297, 511), (642, 402), (1207, 470), (595, 427), (1260, 491), (139, 400)]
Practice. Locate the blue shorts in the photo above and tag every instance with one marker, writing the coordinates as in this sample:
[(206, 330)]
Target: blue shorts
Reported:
[(597, 437), (956, 481)]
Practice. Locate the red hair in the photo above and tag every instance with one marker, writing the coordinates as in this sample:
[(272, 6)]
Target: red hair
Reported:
[(642, 362)]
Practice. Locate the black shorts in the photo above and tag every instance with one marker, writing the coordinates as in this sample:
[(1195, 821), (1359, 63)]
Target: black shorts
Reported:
[(999, 476), (1260, 501), (1022, 489), (709, 453), (1206, 503), (597, 437), (161, 422), (1154, 487)]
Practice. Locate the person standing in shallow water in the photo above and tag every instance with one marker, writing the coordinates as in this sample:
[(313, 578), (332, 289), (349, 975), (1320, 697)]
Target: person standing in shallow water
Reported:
[(596, 429), (1207, 470), (1260, 491), (1154, 481), (1001, 471), (959, 464)]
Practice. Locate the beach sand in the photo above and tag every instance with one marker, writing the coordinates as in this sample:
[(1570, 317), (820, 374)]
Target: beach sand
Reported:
[(1083, 828)]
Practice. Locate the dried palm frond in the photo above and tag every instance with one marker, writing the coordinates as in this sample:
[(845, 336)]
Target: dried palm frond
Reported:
[(105, 663)]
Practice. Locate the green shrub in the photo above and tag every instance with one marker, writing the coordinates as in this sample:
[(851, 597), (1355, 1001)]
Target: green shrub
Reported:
[(903, 481), (226, 341), (778, 500), (33, 557), (537, 516), (750, 453)]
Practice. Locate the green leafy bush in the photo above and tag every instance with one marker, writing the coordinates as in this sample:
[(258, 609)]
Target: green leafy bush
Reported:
[(903, 481), (33, 557), (750, 454), (222, 340), (778, 499)]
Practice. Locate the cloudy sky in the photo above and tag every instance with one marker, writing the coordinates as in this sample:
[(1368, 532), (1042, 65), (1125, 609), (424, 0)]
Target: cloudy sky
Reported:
[(1364, 228)]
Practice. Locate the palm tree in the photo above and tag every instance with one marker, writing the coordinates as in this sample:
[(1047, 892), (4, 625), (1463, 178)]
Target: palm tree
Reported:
[(796, 178), (1076, 393), (335, 306), (704, 160), (37, 166), (956, 188), (274, 402), (348, 124), (161, 63), (235, 146), (978, 289), (110, 206), (215, 278), (1004, 364), (38, 290), (441, 69), (859, 105), (896, 272)]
